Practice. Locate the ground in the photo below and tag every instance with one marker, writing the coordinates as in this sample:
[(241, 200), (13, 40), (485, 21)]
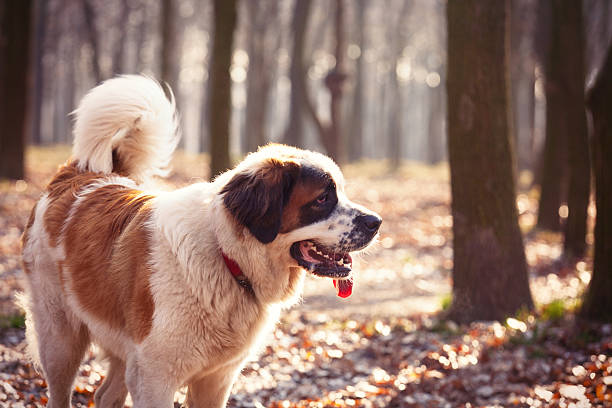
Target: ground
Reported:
[(387, 344)]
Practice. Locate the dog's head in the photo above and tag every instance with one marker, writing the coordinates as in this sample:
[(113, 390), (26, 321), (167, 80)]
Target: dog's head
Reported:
[(298, 195)]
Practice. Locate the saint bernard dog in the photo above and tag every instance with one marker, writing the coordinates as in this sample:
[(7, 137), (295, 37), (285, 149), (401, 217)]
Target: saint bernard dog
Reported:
[(176, 288)]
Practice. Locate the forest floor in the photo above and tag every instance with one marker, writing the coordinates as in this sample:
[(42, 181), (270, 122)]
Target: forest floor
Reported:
[(386, 345)]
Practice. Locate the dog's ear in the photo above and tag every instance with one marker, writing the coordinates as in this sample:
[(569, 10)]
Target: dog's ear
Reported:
[(256, 196)]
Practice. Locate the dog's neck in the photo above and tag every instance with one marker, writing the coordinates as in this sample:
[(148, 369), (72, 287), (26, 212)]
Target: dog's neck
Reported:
[(237, 273), (266, 266)]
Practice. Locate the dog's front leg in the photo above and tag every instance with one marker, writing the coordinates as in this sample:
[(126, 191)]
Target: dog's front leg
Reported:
[(212, 390), (148, 384)]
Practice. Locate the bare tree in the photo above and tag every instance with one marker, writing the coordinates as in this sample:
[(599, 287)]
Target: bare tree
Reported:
[(15, 33), (355, 139), (597, 302), (490, 271), (294, 133), (119, 48), (569, 14), (40, 28), (397, 38), (92, 36), (170, 43), (330, 133), (220, 85), (263, 44), (522, 75)]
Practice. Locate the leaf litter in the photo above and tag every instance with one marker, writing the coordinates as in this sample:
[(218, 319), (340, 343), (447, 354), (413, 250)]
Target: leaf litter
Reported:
[(384, 346)]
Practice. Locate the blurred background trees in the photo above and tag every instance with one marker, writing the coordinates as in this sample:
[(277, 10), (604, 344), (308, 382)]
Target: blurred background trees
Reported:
[(356, 79)]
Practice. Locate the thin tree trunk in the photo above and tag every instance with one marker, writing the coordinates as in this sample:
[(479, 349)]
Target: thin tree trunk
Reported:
[(220, 82), (169, 43), (334, 81), (490, 271), (92, 37), (262, 49), (119, 54), (395, 126), (553, 186), (15, 33), (355, 141), (294, 133), (572, 38), (435, 140), (40, 9), (597, 304)]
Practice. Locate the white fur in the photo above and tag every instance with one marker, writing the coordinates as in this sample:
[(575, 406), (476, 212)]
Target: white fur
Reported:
[(205, 325), (132, 115)]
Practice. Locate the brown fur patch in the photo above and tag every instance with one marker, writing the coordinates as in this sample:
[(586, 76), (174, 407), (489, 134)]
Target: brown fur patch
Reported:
[(62, 190), (107, 252), (304, 191)]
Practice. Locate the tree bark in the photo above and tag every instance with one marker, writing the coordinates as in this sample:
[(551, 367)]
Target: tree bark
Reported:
[(119, 51), (571, 33), (40, 29), (334, 81), (294, 133), (395, 122), (263, 43), (553, 185), (169, 44), (220, 105), (490, 272), (15, 33), (92, 36), (597, 304), (355, 139)]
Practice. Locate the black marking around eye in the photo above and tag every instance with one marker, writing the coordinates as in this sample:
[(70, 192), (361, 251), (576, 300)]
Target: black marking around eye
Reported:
[(313, 212)]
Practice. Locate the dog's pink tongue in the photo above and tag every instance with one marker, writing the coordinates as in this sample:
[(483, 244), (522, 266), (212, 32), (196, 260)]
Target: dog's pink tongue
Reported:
[(344, 287)]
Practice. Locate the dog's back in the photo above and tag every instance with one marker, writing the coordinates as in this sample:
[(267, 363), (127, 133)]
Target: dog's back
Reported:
[(87, 224)]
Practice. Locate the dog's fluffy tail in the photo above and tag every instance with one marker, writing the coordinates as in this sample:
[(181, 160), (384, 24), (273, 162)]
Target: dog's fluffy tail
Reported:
[(126, 125)]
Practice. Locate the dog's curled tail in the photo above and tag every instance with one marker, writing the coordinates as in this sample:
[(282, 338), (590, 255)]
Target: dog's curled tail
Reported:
[(126, 125)]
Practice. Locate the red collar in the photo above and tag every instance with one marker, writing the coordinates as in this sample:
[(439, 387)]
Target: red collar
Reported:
[(236, 272)]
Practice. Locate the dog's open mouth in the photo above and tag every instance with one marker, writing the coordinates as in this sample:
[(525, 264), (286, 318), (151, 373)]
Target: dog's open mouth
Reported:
[(325, 262)]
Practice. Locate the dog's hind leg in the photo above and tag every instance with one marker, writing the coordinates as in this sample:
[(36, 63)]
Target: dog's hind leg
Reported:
[(57, 340), (61, 348), (113, 391)]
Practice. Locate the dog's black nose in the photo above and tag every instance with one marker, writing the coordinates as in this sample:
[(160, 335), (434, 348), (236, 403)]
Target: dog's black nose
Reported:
[(369, 223)]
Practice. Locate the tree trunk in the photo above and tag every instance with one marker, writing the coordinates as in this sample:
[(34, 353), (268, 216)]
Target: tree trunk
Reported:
[(119, 50), (490, 272), (15, 33), (92, 36), (263, 44), (355, 139), (40, 29), (522, 22), (435, 140), (395, 122), (553, 186), (294, 133), (334, 81), (220, 82), (597, 304), (569, 14), (169, 43)]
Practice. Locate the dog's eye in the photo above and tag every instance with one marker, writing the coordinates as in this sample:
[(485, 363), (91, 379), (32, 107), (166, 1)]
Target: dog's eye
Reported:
[(322, 199)]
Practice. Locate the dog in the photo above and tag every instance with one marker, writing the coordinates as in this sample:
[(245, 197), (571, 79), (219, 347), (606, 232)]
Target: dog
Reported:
[(177, 288)]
